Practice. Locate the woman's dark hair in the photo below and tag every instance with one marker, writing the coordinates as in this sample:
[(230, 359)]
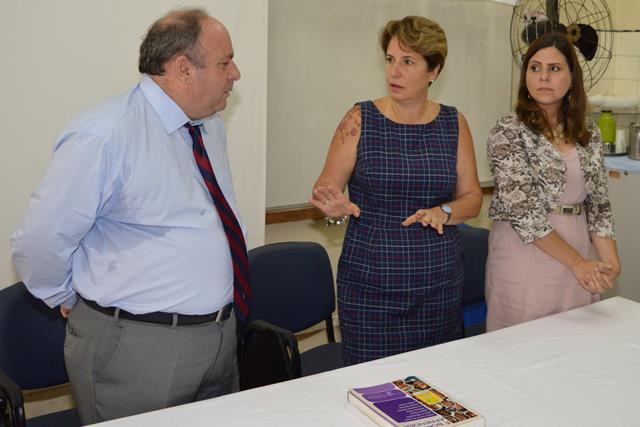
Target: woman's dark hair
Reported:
[(176, 33), (574, 104)]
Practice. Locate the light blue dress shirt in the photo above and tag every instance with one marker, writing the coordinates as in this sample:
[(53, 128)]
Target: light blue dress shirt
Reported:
[(123, 217)]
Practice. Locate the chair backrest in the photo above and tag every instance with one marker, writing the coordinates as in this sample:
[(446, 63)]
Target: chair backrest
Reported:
[(267, 355), (292, 285), (31, 340), (474, 257)]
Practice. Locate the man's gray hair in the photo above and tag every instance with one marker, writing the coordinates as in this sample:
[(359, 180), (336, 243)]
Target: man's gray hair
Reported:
[(176, 33)]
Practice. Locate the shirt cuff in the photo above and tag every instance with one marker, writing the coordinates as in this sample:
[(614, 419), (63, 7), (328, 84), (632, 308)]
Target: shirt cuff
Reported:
[(70, 302)]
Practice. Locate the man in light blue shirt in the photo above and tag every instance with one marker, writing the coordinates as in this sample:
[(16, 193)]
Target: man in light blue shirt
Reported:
[(123, 235)]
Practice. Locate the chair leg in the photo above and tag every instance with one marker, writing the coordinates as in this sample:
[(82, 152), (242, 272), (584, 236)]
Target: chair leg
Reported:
[(330, 334)]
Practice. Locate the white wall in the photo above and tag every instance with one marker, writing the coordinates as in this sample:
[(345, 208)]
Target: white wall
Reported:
[(622, 77), (60, 57), (324, 57)]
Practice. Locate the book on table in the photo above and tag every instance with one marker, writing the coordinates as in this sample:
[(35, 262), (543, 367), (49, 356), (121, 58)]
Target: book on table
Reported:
[(412, 402)]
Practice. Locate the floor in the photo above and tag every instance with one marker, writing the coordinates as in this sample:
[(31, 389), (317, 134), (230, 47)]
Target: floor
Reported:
[(41, 402)]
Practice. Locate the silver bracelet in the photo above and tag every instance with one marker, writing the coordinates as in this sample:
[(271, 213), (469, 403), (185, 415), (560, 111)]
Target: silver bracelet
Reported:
[(335, 221)]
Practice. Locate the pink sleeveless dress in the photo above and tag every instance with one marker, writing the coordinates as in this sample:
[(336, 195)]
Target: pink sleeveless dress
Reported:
[(524, 283)]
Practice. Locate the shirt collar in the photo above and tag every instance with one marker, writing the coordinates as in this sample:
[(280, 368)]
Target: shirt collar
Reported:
[(170, 113)]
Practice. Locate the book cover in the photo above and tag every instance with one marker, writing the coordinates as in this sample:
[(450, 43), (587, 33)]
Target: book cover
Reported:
[(411, 402)]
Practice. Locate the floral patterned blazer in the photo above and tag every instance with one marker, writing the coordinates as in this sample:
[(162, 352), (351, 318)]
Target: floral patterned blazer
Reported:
[(530, 178)]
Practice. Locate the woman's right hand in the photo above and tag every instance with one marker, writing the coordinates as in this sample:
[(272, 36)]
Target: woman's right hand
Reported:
[(333, 202), (593, 275)]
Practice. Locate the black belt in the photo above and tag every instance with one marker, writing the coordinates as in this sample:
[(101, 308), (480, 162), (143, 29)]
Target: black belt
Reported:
[(163, 318)]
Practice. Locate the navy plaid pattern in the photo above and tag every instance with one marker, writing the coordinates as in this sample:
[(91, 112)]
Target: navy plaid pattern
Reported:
[(400, 288)]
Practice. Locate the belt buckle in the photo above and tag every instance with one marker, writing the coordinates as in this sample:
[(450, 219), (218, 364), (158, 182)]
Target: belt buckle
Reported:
[(570, 210)]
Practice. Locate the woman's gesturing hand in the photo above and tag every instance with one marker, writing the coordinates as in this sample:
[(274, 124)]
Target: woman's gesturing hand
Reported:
[(333, 202), (434, 218)]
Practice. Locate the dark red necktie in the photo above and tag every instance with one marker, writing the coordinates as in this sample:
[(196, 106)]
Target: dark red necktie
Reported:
[(237, 246)]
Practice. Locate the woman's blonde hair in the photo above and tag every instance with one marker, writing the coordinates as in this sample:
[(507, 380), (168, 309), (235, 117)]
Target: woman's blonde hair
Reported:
[(419, 34)]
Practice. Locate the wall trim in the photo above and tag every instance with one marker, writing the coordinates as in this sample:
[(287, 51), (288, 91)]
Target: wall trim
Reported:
[(290, 213), (304, 211)]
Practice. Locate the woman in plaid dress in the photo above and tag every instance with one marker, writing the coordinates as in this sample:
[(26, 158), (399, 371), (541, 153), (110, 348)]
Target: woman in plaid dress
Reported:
[(410, 166)]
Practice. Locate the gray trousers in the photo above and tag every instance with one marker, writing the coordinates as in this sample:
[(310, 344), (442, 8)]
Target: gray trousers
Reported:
[(120, 367)]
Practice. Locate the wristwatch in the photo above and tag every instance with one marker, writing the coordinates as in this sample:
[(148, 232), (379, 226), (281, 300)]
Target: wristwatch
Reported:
[(446, 209)]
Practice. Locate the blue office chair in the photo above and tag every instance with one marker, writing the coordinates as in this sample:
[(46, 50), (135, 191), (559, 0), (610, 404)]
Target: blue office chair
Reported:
[(293, 289), (474, 257), (32, 342)]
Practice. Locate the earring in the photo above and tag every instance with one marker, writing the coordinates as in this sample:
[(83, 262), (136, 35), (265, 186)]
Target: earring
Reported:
[(528, 96), (430, 82)]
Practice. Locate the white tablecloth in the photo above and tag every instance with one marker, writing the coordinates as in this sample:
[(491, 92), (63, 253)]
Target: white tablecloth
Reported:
[(579, 368)]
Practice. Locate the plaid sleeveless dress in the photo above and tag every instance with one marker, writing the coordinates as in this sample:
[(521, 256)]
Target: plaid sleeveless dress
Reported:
[(400, 288)]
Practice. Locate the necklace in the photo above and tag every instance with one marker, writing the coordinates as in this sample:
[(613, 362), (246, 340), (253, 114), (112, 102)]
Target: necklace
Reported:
[(558, 134)]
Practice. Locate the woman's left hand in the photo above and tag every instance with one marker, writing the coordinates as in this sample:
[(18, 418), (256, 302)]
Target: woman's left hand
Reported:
[(434, 218), (612, 273)]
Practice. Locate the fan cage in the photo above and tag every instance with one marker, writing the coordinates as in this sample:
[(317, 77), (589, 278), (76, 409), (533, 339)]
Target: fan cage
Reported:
[(595, 13)]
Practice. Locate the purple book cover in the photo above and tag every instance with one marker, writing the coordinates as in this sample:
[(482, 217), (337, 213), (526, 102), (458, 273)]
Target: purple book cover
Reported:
[(395, 403), (411, 400), (405, 409)]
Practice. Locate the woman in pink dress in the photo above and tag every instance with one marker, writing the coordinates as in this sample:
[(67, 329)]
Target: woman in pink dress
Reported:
[(550, 208)]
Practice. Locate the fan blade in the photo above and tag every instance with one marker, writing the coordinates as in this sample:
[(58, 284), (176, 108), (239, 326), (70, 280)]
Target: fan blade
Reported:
[(534, 29), (587, 43)]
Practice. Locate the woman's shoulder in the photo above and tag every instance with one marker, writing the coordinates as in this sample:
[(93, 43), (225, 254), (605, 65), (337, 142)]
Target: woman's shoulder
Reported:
[(507, 123), (355, 111), (354, 114), (509, 131), (594, 144), (376, 103), (447, 108), (593, 128), (448, 112), (366, 107)]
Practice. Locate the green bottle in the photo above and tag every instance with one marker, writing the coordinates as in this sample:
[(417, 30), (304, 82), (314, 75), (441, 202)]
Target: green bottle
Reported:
[(607, 125)]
